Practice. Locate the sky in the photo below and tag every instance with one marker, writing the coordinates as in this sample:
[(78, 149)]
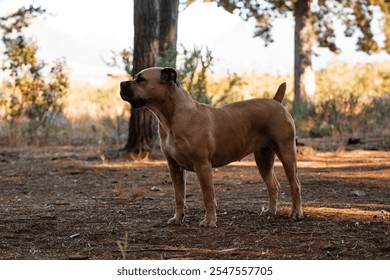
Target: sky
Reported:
[(85, 31)]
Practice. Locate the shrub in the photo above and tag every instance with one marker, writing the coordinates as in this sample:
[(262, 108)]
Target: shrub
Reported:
[(32, 104)]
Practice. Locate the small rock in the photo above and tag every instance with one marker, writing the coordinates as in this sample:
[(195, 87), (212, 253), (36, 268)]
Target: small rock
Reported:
[(74, 235), (358, 193), (122, 212)]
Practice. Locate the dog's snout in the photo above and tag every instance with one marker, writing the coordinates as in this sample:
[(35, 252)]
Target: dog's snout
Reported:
[(129, 94), (124, 84), (125, 90)]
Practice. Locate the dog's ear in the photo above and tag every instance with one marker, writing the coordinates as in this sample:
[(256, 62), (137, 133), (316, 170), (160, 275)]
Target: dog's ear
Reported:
[(169, 75)]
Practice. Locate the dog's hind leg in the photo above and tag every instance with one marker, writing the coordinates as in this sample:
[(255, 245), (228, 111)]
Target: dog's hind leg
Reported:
[(179, 183), (287, 155), (265, 163)]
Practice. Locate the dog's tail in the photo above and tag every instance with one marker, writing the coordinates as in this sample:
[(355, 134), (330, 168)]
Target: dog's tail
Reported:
[(280, 93)]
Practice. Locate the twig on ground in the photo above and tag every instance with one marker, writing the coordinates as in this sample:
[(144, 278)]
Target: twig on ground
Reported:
[(94, 198)]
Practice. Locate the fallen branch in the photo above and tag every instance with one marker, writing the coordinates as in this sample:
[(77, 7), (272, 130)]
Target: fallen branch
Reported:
[(151, 250), (92, 197), (159, 249), (306, 232)]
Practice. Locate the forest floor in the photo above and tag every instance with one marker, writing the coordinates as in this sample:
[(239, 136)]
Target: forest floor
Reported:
[(77, 202)]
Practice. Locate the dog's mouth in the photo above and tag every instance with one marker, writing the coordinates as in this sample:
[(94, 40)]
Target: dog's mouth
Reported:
[(137, 103), (127, 94)]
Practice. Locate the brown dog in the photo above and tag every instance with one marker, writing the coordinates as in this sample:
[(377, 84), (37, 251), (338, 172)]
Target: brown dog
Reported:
[(198, 137)]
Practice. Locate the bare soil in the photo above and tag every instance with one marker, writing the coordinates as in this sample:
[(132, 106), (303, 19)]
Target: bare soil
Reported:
[(79, 203)]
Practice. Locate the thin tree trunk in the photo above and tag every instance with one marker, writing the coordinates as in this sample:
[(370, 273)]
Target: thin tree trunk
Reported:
[(146, 34), (304, 79), (169, 14), (143, 137)]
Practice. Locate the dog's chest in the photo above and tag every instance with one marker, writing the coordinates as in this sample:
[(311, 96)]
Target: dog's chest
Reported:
[(171, 149), (178, 150)]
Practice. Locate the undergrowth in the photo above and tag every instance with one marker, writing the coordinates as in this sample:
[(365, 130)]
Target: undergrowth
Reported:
[(350, 100)]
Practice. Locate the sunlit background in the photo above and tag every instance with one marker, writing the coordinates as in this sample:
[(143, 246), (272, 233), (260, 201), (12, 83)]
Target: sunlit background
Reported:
[(84, 32)]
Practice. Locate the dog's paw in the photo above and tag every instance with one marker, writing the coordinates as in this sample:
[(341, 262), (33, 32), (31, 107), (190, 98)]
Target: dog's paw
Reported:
[(296, 215), (176, 220), (268, 212), (208, 223)]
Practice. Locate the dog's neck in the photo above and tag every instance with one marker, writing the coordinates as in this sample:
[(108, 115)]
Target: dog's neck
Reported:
[(180, 102)]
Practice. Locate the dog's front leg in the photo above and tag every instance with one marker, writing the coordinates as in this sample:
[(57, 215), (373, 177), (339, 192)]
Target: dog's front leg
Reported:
[(205, 177), (179, 183)]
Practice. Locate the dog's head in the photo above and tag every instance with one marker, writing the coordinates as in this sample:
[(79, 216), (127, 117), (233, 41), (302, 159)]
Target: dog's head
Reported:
[(151, 85)]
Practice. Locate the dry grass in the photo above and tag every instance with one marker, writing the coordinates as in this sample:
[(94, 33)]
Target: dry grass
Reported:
[(355, 102), (121, 194)]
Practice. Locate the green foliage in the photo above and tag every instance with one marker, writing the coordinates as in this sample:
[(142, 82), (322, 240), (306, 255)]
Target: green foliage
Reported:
[(167, 58), (193, 73), (32, 103), (356, 17), (317, 21), (14, 23)]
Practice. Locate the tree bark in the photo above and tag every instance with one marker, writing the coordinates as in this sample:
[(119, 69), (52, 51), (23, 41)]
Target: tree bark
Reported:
[(304, 78), (143, 137), (155, 32), (169, 15)]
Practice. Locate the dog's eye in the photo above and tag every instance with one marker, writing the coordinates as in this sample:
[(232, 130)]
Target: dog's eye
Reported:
[(140, 79)]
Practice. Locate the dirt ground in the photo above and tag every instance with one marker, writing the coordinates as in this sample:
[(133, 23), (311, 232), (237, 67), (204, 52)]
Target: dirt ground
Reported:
[(79, 203)]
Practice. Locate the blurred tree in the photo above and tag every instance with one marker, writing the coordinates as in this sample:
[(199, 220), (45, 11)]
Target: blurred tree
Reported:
[(33, 99), (167, 50), (193, 73), (315, 21), (155, 37), (143, 138)]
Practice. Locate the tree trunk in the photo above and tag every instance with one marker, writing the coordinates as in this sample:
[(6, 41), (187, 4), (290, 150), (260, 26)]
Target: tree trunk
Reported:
[(169, 14), (143, 137), (304, 78), (146, 34), (155, 32)]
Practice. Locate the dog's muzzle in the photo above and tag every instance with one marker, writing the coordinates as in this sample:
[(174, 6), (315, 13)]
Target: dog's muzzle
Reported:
[(126, 92), (128, 95)]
